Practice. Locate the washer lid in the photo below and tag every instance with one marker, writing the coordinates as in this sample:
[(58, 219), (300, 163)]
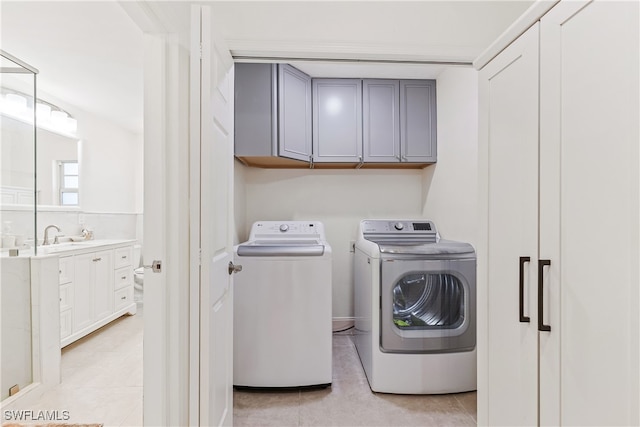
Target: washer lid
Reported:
[(273, 248), (443, 247)]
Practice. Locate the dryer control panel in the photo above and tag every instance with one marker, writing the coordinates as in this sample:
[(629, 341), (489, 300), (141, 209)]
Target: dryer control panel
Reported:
[(422, 230)]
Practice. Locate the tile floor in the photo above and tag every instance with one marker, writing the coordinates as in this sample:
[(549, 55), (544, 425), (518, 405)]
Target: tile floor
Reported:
[(101, 377), (102, 382), (350, 402)]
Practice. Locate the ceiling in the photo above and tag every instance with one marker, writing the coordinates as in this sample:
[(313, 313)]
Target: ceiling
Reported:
[(90, 53)]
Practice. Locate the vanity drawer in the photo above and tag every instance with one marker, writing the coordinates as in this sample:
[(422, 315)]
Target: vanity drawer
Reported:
[(123, 277), (123, 256), (66, 296), (65, 264), (66, 322), (123, 297)]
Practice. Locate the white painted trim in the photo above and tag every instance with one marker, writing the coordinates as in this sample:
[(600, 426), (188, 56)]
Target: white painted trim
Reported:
[(351, 51), (194, 222), (155, 403), (515, 30)]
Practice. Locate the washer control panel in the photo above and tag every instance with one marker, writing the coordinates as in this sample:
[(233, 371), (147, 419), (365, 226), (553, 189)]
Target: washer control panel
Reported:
[(287, 229)]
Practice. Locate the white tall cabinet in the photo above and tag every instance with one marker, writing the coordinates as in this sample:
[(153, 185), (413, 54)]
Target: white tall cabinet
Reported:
[(558, 256)]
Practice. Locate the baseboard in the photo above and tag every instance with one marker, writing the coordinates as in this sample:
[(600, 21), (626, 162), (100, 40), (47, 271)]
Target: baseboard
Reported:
[(342, 323)]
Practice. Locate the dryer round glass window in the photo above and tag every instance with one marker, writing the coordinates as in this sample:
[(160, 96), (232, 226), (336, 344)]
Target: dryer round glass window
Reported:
[(428, 301), (427, 306)]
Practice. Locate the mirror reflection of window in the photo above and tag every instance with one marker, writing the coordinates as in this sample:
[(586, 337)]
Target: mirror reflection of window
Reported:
[(68, 182)]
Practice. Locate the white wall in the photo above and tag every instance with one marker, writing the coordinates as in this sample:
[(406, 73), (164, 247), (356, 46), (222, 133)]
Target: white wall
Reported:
[(338, 198), (111, 166), (341, 198), (240, 203), (111, 182), (451, 185)]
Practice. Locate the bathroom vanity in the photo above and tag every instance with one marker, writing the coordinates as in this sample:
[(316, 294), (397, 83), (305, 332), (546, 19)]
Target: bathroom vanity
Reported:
[(96, 284)]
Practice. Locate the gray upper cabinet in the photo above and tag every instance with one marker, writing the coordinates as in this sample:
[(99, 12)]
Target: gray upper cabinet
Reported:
[(272, 113), (284, 118), (255, 130), (418, 121), (381, 120), (294, 118), (337, 120)]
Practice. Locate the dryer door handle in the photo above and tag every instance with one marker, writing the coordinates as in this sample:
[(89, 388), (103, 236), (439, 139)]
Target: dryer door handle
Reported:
[(523, 261)]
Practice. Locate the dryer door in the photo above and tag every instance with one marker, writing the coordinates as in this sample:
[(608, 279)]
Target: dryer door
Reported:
[(427, 306)]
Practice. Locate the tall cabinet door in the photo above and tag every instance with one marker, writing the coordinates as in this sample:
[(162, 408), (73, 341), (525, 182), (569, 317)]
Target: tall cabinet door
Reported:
[(380, 121), (589, 373), (337, 120), (507, 254), (294, 113)]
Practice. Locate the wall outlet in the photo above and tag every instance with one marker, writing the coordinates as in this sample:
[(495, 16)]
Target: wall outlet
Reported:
[(81, 219), (352, 246)]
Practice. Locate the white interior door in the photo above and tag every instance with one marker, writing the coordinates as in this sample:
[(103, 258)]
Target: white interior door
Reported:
[(507, 355), (212, 179)]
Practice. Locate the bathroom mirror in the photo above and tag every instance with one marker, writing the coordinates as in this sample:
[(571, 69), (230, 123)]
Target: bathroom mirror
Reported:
[(57, 173)]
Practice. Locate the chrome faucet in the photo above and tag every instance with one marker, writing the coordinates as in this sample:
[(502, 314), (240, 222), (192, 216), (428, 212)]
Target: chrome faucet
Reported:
[(46, 234)]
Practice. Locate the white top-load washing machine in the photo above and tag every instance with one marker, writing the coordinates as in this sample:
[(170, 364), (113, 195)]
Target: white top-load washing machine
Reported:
[(282, 306), (415, 308)]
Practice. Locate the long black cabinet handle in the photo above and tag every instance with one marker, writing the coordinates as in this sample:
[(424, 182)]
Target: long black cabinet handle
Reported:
[(541, 264), (523, 261)]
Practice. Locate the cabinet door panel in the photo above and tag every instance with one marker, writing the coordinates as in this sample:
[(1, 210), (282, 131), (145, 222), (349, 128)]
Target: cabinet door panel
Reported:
[(103, 285), (337, 120), (380, 121), (294, 113), (418, 120), (66, 269), (590, 128), (255, 129), (509, 207), (83, 291)]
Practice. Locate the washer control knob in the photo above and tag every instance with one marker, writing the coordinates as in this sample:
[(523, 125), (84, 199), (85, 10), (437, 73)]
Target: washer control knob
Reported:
[(398, 226), (284, 227)]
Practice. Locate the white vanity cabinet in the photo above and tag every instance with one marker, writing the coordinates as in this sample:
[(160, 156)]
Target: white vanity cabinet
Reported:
[(96, 287), (92, 286), (123, 278), (558, 251)]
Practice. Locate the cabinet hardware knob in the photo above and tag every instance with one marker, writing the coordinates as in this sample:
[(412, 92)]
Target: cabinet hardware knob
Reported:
[(97, 259), (123, 298), (123, 277)]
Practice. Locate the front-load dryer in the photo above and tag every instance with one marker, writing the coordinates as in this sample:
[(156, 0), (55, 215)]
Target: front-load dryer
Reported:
[(415, 308), (283, 307)]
